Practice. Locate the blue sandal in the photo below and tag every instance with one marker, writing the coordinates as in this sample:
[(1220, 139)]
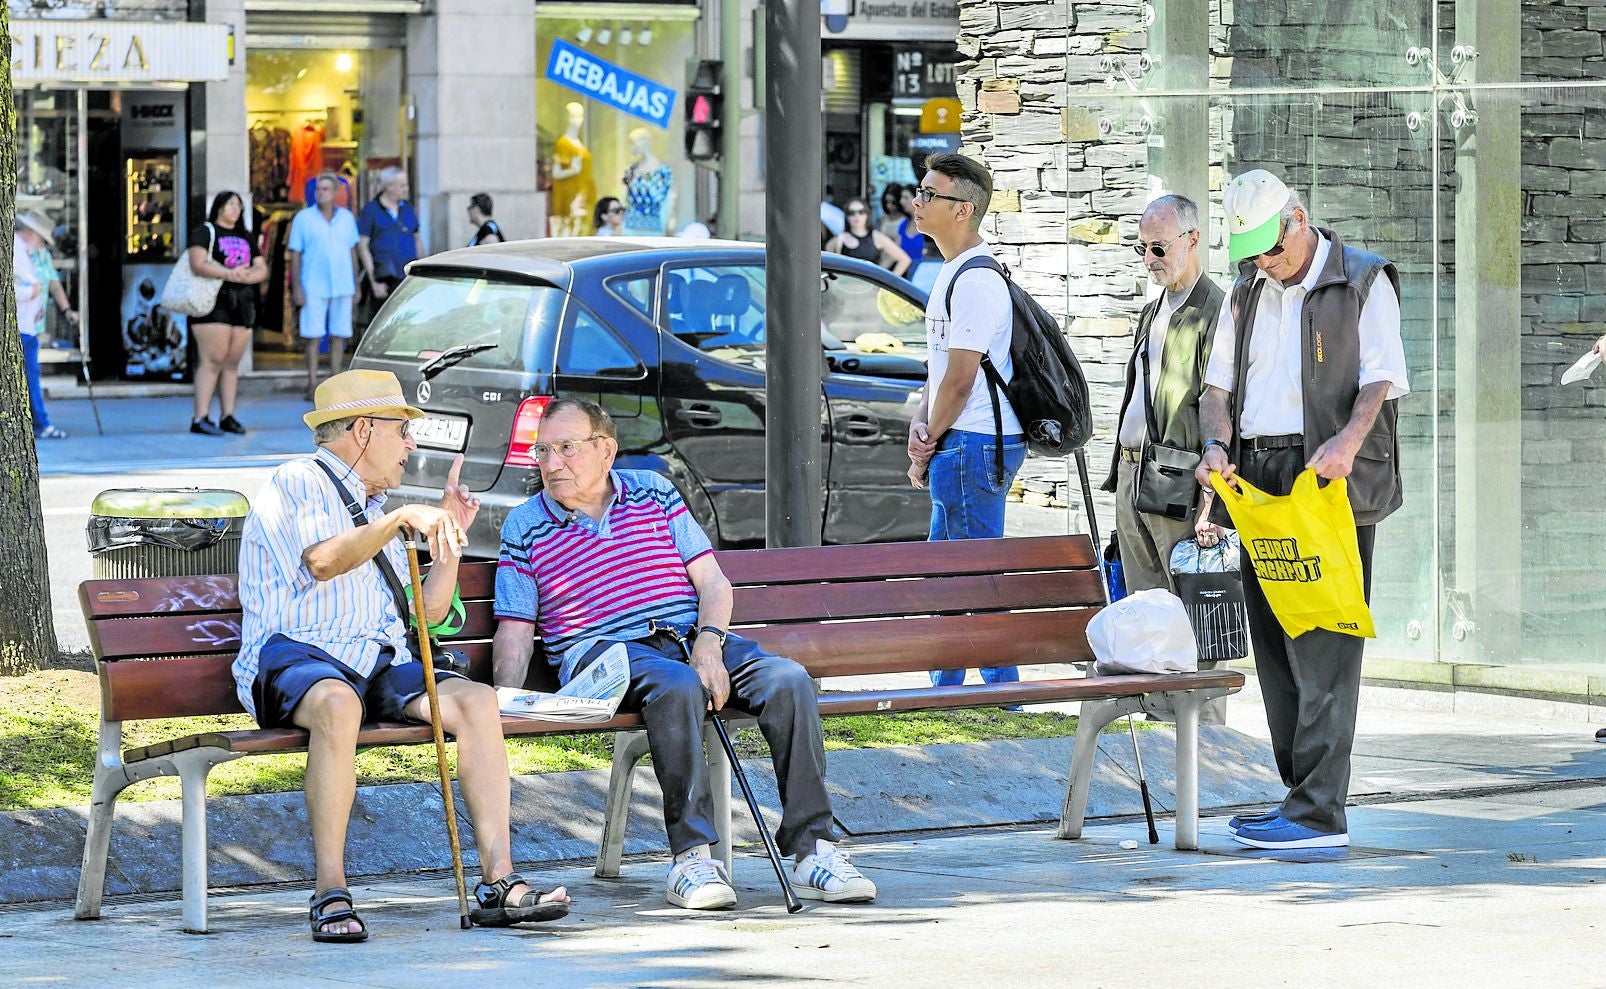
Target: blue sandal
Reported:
[(320, 915)]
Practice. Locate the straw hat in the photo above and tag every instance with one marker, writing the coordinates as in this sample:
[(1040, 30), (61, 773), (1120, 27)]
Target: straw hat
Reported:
[(359, 393), (40, 224)]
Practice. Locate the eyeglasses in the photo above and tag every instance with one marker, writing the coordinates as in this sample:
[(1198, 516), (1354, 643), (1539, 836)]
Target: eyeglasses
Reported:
[(406, 424), (1276, 249), (926, 194), (1158, 249), (565, 449)]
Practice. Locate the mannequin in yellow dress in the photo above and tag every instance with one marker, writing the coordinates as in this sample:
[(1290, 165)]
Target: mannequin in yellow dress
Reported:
[(574, 191)]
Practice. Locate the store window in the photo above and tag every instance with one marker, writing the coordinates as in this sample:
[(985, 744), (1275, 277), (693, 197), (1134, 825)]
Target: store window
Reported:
[(313, 110), (594, 141)]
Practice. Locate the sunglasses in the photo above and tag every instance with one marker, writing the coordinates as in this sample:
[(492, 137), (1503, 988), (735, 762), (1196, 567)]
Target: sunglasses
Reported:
[(858, 212), (926, 194), (1276, 249), (614, 209), (1158, 249), (406, 424)]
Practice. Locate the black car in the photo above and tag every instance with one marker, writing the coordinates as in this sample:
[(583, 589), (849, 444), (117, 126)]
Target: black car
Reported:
[(668, 336)]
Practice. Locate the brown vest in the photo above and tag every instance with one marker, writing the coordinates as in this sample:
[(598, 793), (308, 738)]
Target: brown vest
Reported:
[(1331, 344)]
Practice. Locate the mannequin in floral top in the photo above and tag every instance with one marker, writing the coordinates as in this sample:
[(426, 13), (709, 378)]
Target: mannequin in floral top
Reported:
[(649, 191)]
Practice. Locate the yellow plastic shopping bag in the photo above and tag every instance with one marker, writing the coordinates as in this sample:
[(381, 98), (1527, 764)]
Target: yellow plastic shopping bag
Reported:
[(1304, 552)]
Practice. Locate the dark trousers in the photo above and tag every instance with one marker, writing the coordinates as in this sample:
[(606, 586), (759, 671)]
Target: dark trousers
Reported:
[(1311, 685), (774, 689)]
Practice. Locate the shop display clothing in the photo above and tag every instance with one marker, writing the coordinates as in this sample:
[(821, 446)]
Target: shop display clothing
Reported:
[(575, 195), (306, 158), (390, 237), (270, 164), (647, 192), (233, 248)]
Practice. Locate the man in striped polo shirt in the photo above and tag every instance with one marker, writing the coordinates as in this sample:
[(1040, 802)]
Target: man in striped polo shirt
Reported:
[(595, 557)]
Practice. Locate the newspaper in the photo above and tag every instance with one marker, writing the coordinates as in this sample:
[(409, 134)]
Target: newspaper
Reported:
[(592, 696), (1583, 368)]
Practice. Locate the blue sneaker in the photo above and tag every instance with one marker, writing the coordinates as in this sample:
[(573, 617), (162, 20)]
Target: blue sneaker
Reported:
[(1260, 818), (1279, 832)]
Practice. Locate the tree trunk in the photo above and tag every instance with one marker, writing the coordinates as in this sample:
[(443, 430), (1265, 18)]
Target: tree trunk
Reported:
[(27, 635)]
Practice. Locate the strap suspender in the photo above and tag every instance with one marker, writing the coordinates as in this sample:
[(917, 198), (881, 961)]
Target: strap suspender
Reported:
[(359, 518)]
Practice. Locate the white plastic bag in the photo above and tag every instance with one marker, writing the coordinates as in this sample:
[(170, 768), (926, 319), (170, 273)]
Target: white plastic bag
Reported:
[(1146, 632)]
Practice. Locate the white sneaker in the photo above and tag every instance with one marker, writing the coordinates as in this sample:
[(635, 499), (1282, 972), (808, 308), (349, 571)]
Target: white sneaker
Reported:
[(828, 875), (699, 883)]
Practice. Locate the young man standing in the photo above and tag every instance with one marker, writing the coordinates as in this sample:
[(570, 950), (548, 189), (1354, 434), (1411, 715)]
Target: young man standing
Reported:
[(953, 439)]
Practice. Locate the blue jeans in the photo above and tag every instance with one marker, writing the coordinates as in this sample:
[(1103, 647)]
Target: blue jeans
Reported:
[(36, 394), (967, 502)]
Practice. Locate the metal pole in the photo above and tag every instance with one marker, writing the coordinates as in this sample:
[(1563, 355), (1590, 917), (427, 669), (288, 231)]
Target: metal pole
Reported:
[(793, 136), (82, 150), (730, 130)]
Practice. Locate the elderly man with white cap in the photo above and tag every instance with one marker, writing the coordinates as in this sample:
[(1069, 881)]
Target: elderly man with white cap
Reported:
[(1305, 371), (324, 638)]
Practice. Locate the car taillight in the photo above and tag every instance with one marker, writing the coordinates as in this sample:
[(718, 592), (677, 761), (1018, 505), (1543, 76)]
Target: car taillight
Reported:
[(525, 424)]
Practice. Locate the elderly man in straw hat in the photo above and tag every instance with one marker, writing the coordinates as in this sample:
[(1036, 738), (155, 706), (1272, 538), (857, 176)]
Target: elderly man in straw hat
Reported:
[(324, 642), (32, 234)]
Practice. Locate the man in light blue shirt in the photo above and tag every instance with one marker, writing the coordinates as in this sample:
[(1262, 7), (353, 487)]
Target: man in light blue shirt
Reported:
[(324, 644), (323, 275)]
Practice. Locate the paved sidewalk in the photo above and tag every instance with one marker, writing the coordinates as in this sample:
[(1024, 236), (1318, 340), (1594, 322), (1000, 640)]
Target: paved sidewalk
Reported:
[(1504, 890), (154, 434)]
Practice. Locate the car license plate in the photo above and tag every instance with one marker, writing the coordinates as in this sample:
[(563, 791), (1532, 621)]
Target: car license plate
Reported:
[(441, 432)]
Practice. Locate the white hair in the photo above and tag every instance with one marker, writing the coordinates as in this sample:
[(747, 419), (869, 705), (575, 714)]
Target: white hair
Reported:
[(390, 174), (327, 432), (1294, 202)]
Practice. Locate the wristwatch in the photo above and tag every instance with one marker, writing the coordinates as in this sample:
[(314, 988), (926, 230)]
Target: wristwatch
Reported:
[(1212, 441), (716, 631)]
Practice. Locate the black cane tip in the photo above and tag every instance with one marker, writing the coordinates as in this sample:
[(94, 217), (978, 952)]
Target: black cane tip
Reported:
[(795, 908), (465, 922)]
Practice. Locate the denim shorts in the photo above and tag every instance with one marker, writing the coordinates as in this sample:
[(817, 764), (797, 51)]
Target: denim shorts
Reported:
[(967, 493), (287, 669)]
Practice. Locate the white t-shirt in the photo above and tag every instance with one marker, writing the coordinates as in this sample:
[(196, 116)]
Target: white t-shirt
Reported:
[(1274, 390), (982, 321)]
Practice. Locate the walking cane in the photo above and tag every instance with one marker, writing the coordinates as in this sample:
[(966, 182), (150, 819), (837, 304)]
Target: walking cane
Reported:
[(422, 621), (792, 903), (1093, 531)]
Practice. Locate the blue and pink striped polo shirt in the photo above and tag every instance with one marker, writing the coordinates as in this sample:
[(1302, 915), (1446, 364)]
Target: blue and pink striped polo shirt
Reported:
[(581, 581)]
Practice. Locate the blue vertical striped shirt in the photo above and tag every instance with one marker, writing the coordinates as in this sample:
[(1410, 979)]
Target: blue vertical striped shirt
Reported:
[(352, 616)]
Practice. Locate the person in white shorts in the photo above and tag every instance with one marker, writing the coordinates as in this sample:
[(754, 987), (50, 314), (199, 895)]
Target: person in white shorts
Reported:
[(323, 275)]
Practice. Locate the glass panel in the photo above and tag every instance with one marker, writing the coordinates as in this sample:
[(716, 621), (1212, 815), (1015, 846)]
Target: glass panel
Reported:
[(590, 349), (426, 315), (870, 318), (720, 311), (47, 181)]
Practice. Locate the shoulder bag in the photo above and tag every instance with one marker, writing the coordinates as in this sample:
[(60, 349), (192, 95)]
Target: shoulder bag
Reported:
[(1165, 483), (188, 293)]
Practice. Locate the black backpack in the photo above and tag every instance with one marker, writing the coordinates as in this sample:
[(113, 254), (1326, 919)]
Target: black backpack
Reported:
[(1048, 391)]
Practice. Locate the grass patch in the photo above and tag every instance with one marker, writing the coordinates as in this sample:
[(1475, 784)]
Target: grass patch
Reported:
[(49, 725)]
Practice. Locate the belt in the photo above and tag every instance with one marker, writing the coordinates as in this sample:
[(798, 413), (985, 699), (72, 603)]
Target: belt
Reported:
[(1286, 440), (1131, 456)]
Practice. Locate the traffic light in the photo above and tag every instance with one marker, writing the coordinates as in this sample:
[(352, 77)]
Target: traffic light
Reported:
[(705, 110)]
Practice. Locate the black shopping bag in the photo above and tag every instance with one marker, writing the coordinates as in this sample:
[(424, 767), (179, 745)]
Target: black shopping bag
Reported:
[(1212, 591)]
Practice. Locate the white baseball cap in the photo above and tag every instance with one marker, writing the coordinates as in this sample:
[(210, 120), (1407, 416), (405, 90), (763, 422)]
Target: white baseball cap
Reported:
[(1254, 202)]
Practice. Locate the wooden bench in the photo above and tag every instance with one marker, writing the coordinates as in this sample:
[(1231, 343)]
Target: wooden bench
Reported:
[(163, 649)]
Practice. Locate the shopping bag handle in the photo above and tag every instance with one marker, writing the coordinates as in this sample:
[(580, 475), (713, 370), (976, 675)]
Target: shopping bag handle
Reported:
[(1310, 486)]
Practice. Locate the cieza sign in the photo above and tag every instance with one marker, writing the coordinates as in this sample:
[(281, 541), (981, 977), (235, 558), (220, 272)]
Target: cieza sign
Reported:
[(607, 83), (118, 51)]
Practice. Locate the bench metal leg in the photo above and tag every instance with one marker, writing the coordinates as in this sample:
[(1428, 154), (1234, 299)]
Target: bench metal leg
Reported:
[(1091, 720), (97, 842), (1187, 707), (193, 767), (629, 748), (719, 781)]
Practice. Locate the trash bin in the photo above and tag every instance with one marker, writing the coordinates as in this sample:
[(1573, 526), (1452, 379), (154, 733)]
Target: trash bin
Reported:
[(165, 532)]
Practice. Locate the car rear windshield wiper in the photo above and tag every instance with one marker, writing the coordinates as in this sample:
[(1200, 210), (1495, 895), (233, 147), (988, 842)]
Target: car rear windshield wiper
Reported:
[(455, 355)]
